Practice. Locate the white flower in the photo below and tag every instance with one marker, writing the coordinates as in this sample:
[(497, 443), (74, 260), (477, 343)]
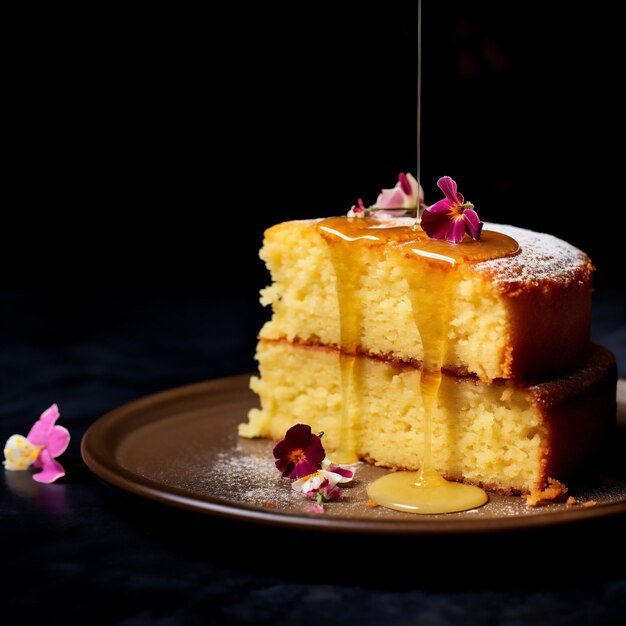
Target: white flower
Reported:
[(19, 453), (322, 485)]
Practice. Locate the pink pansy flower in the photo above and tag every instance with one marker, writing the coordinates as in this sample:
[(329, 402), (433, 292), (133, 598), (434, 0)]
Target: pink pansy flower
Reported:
[(39, 448), (300, 453), (404, 195), (451, 217)]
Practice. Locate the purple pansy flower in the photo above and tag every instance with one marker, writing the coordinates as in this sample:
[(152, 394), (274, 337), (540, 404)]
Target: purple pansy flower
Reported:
[(300, 453), (451, 217)]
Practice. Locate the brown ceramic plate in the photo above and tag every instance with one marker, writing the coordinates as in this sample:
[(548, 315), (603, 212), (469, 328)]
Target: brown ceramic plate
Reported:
[(181, 448)]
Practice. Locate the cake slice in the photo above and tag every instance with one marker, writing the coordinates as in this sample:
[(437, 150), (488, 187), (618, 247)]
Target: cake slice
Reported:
[(362, 308)]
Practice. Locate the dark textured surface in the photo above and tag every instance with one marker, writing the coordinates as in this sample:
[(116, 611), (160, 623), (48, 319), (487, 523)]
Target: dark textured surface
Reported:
[(78, 552)]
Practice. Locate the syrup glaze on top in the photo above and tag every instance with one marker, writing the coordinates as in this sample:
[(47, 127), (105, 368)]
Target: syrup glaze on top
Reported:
[(429, 267)]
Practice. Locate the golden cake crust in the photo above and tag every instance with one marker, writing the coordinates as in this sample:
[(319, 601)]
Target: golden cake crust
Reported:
[(578, 413), (550, 282)]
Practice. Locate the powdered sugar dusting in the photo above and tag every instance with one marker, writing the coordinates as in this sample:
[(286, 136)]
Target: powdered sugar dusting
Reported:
[(245, 475), (251, 475), (541, 257)]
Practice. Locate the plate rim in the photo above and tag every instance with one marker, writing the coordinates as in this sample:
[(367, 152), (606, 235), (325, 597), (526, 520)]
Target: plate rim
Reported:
[(105, 468)]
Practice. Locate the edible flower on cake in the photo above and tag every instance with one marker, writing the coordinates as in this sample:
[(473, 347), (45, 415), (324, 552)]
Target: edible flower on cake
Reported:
[(451, 217)]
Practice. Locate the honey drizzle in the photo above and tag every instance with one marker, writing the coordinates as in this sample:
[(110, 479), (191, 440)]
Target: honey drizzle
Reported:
[(348, 282), (428, 268), (430, 276)]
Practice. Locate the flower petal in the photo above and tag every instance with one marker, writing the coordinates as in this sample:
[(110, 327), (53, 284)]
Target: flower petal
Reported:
[(58, 440), (346, 474), (435, 223), (318, 480), (473, 225), (282, 448), (322, 489), (298, 436), (15, 465), (51, 469), (390, 199), (314, 451), (318, 509), (333, 478), (296, 485), (416, 189), (285, 467), (443, 226), (404, 195), (405, 184), (456, 231), (19, 453), (357, 210), (352, 467), (309, 482), (304, 468), (448, 186), (38, 434), (441, 206), (332, 494)]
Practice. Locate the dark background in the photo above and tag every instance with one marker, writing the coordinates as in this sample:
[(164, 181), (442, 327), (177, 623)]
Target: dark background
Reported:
[(147, 150), (152, 148)]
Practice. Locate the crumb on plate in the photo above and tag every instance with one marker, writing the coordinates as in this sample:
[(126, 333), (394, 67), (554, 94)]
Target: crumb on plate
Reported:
[(553, 491)]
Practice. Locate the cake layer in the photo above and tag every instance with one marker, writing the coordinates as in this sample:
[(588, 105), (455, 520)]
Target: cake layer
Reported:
[(504, 436), (524, 317)]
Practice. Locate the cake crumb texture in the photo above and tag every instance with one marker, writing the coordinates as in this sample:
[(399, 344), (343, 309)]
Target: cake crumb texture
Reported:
[(500, 436)]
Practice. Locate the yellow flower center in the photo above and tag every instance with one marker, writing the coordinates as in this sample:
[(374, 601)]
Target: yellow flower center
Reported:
[(295, 456)]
